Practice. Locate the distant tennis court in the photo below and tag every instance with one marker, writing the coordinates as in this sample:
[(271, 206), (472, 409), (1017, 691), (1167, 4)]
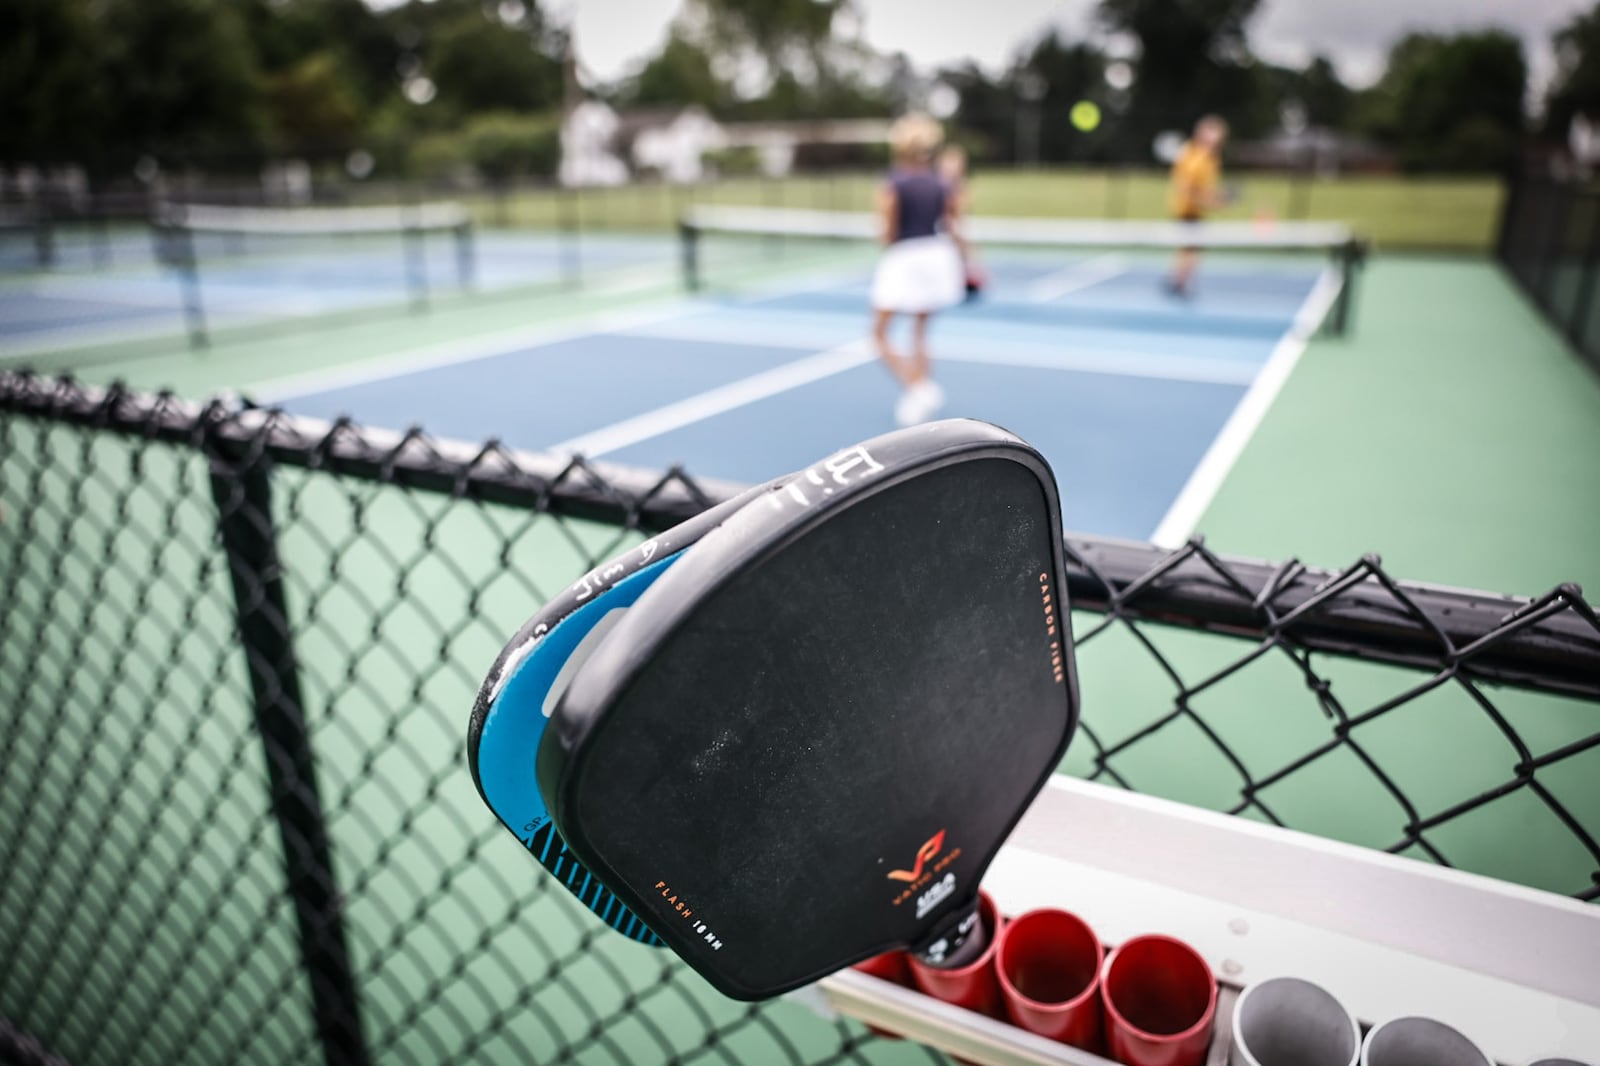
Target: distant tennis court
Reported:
[(128, 287)]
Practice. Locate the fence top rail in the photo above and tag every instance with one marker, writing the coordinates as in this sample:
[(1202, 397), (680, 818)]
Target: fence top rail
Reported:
[(1548, 643), (488, 472), (1047, 232)]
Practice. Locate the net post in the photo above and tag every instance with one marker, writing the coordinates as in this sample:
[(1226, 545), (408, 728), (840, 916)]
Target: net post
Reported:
[(466, 256), (241, 489), (1348, 256), (689, 241), (416, 254)]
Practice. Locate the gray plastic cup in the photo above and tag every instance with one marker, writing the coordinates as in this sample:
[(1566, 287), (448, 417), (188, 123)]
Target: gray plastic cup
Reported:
[(1285, 1021), (1420, 1042)]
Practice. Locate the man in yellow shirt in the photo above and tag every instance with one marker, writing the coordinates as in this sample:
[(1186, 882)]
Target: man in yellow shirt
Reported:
[(1196, 190)]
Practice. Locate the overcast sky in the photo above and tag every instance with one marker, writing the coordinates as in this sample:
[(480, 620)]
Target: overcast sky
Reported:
[(614, 34)]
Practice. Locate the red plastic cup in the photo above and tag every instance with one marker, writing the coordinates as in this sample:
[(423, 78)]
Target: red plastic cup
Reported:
[(1048, 966), (972, 986), (891, 966), (1160, 1002)]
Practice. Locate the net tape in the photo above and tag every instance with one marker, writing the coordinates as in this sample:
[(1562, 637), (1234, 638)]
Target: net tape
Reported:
[(145, 913), (1043, 232), (312, 221)]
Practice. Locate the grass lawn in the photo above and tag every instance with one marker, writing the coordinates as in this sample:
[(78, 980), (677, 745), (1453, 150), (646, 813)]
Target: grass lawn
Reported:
[(1437, 213)]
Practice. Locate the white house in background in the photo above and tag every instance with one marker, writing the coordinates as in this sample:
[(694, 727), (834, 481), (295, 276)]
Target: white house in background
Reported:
[(586, 146), (672, 144), (1323, 151), (601, 147), (776, 143)]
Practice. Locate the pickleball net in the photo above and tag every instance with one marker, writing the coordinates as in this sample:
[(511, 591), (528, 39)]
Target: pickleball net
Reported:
[(719, 243), (238, 650), (241, 263)]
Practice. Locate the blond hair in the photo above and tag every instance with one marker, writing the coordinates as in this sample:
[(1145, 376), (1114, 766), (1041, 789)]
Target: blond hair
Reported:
[(913, 137)]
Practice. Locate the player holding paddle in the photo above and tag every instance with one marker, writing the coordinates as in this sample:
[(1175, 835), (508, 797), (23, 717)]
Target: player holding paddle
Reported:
[(1196, 191), (920, 272)]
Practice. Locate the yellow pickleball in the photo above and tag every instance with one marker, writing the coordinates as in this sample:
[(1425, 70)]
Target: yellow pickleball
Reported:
[(1085, 115)]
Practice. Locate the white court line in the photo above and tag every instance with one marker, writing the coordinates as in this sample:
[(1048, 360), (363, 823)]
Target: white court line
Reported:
[(1077, 277), (450, 353), (1114, 363), (1206, 479), (276, 390), (716, 401), (1021, 354)]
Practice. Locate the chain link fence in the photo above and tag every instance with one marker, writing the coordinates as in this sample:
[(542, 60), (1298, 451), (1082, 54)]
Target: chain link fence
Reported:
[(237, 654), (1550, 243)]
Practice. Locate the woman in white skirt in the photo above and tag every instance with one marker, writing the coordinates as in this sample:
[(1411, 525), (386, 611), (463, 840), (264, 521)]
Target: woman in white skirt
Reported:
[(920, 272)]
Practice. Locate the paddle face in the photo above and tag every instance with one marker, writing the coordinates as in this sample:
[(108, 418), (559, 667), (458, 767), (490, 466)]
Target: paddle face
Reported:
[(807, 734)]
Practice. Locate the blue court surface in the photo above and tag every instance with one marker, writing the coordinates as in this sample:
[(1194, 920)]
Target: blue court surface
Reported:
[(1125, 389), (116, 290)]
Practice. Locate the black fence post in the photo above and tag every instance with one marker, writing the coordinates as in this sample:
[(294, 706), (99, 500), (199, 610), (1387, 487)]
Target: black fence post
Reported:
[(569, 234), (175, 246), (1117, 181), (242, 490), (466, 257), (1509, 216), (415, 249), (772, 197), (1300, 182), (1577, 328), (44, 234), (99, 234), (1548, 249), (689, 242)]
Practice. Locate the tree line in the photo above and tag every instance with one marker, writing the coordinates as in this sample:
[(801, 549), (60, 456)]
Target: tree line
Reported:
[(420, 88)]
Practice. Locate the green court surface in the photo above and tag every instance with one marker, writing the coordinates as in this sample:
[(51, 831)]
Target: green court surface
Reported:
[(1453, 432)]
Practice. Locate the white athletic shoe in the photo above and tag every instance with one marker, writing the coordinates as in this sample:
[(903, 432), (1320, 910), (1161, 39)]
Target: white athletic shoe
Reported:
[(919, 403), (906, 410)]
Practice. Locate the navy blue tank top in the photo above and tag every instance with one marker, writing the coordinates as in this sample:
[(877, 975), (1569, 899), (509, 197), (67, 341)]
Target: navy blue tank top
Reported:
[(919, 203)]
